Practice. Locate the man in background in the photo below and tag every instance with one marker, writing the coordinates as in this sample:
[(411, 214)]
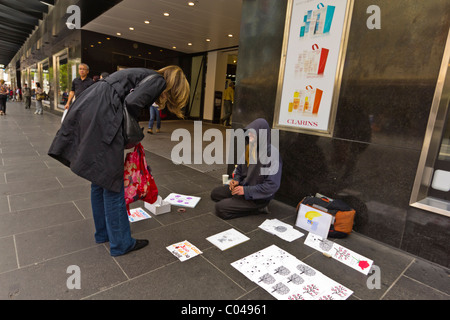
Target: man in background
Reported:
[(79, 84), (228, 101)]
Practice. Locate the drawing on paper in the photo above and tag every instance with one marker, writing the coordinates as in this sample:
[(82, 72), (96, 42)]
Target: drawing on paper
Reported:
[(304, 269), (281, 229), (339, 290), (310, 215), (326, 245), (311, 289), (318, 243), (314, 220), (363, 264), (227, 239), (267, 278), (295, 279), (138, 214), (280, 288), (282, 270), (182, 200), (340, 253), (184, 250), (296, 297), (286, 278)]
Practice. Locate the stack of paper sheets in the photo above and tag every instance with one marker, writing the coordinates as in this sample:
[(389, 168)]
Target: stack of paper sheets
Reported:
[(287, 278), (281, 229)]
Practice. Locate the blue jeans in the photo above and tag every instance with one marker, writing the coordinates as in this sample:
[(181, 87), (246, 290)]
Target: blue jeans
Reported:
[(154, 114), (111, 220), (228, 109)]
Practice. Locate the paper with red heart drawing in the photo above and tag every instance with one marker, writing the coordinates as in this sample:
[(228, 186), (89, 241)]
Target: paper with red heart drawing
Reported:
[(340, 253)]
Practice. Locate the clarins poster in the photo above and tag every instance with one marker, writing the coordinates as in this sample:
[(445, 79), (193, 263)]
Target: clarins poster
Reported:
[(311, 67)]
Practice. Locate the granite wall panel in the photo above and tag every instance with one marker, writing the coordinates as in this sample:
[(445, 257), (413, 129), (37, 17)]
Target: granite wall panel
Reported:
[(387, 89)]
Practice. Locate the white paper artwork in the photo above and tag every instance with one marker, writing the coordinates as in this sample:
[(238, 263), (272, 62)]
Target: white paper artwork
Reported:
[(227, 239), (352, 259), (314, 220), (340, 253), (182, 200), (281, 229), (319, 243), (184, 250), (138, 214), (287, 278)]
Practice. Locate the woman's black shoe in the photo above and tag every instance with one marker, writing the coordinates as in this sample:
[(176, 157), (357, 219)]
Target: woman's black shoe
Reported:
[(139, 245)]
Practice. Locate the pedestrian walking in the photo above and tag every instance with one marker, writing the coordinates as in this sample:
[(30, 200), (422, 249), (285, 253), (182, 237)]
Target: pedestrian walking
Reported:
[(27, 96), (3, 97), (39, 97), (154, 115), (228, 101)]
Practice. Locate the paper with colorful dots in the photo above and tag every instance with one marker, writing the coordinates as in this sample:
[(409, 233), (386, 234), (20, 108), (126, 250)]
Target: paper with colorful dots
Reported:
[(182, 200)]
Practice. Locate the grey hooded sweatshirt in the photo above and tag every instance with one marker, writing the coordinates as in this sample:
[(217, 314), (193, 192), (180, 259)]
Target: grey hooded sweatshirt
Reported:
[(260, 174)]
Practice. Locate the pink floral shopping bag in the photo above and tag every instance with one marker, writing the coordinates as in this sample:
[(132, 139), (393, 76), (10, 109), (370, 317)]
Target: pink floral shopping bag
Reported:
[(138, 180)]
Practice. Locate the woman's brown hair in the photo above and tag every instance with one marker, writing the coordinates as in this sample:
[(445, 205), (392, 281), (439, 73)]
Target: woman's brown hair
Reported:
[(176, 94)]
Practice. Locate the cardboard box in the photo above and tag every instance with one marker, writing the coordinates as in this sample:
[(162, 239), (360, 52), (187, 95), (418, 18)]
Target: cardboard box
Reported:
[(159, 207)]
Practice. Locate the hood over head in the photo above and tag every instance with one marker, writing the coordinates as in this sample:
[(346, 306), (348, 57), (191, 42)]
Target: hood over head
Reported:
[(263, 150), (258, 125)]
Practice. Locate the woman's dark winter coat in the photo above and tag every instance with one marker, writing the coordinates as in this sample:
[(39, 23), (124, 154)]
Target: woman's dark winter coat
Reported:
[(90, 139)]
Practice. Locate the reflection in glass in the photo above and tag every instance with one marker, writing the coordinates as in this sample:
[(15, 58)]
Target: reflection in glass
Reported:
[(63, 77), (34, 77), (431, 190), (444, 153)]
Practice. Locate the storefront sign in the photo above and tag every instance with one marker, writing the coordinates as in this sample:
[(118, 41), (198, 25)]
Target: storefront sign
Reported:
[(313, 56)]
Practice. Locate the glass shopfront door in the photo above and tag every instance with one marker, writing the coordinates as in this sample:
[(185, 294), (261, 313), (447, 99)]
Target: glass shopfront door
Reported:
[(431, 190), (440, 185)]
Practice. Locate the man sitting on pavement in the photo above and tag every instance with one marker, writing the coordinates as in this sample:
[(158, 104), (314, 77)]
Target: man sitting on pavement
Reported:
[(255, 181)]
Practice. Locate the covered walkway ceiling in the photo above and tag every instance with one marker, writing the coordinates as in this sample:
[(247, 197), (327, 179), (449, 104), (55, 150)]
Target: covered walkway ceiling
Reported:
[(206, 25), (18, 19)]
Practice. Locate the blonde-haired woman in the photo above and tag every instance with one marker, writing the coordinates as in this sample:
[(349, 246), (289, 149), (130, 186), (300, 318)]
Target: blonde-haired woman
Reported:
[(3, 97), (91, 143)]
